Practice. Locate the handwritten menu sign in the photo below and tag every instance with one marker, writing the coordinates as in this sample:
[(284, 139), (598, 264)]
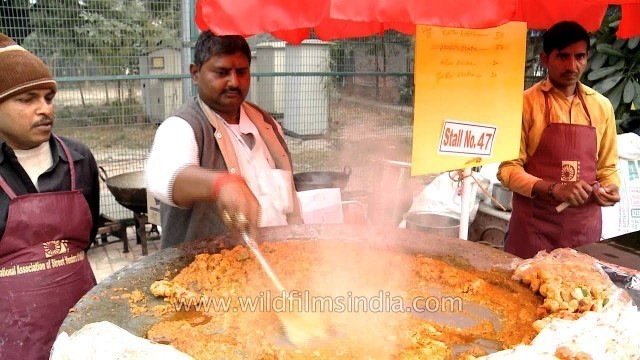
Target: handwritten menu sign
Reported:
[(468, 97)]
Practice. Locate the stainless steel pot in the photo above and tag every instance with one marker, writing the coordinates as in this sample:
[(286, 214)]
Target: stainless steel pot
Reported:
[(392, 194), (503, 195), (433, 223)]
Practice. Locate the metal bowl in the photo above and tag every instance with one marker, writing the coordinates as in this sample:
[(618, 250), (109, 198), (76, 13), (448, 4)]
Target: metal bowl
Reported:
[(433, 223), (321, 179), (503, 195)]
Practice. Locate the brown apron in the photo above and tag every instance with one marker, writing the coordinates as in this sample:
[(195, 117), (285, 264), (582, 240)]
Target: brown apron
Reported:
[(566, 153), (43, 268)]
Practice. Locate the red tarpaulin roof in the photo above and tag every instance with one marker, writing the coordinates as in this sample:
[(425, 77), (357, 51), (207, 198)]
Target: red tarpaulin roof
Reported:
[(291, 20)]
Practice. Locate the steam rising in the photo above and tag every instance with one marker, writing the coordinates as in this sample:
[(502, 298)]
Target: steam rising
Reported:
[(367, 279)]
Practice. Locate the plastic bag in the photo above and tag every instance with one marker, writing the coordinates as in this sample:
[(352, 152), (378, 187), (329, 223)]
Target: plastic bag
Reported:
[(443, 195), (608, 335), (569, 263), (596, 330), (105, 340), (572, 284)]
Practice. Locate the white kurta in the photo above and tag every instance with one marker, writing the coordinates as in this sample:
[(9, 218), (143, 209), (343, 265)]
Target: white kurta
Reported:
[(175, 148), (271, 186)]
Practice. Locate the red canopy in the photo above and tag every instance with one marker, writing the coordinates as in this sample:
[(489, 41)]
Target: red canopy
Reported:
[(291, 20)]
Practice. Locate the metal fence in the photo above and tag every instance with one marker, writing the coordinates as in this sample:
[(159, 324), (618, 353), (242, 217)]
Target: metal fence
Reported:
[(121, 68)]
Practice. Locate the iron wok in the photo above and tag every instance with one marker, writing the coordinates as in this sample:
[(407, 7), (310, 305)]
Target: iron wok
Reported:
[(321, 179), (128, 189)]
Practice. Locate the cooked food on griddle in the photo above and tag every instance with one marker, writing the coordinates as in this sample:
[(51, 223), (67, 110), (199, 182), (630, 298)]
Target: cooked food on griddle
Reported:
[(380, 304)]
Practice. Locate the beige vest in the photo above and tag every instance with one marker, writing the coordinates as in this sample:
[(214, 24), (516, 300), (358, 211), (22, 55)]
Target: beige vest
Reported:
[(267, 183), (202, 221)]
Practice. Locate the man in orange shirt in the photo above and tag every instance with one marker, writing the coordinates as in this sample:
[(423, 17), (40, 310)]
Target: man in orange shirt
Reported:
[(568, 153)]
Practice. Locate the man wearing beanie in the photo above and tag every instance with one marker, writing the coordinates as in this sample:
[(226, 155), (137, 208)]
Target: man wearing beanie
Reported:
[(49, 207)]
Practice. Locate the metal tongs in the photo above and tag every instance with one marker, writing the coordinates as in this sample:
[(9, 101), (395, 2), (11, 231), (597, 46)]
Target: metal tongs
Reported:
[(301, 328)]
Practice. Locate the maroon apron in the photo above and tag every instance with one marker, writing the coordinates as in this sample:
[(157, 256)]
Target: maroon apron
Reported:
[(43, 267), (566, 153)]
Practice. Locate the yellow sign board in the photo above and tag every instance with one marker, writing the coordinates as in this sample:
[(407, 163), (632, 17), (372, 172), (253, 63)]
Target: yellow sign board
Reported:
[(468, 97)]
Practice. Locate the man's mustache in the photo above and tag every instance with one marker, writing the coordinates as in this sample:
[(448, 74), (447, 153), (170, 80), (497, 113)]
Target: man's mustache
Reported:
[(232, 89), (43, 122)]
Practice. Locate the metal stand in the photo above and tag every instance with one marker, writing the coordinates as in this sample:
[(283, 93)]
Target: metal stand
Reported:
[(490, 226), (465, 201), (141, 220), (109, 226)]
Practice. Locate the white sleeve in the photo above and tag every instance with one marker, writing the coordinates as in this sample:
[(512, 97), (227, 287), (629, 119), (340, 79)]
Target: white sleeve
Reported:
[(174, 148)]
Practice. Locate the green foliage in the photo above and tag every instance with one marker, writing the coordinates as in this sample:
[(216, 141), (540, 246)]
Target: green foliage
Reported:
[(533, 66), (614, 66), (14, 19), (407, 90), (116, 113), (99, 37), (375, 54)]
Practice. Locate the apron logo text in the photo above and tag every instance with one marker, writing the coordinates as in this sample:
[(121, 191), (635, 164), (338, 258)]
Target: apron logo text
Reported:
[(37, 266)]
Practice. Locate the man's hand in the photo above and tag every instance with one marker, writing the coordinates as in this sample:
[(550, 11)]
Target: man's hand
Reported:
[(230, 194), (607, 195), (574, 193), (233, 197)]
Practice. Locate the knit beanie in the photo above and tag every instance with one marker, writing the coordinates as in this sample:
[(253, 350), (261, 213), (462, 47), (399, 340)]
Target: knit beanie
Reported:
[(20, 70)]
